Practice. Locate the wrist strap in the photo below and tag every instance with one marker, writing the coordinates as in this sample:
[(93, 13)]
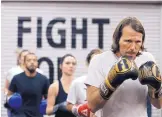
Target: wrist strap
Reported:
[(75, 110), (105, 92)]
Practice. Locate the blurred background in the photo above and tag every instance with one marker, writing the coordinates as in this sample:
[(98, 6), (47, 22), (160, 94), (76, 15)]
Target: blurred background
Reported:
[(52, 28)]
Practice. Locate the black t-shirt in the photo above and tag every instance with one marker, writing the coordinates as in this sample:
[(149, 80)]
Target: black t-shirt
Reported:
[(32, 90)]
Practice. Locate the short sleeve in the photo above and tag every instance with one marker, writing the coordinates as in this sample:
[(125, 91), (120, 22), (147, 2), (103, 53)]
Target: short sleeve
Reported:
[(45, 87), (72, 95), (13, 86), (95, 72)]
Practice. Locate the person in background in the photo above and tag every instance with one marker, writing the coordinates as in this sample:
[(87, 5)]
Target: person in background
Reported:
[(77, 99), (12, 72), (31, 87), (58, 91), (16, 70)]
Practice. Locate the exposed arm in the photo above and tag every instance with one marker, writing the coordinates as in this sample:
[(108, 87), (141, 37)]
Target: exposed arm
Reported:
[(95, 101), (69, 106), (9, 93), (156, 102), (97, 97), (149, 74), (52, 94), (6, 86), (94, 79), (7, 82), (73, 105)]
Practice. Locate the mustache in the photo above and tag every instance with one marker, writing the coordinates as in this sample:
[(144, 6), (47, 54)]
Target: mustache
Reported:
[(130, 52)]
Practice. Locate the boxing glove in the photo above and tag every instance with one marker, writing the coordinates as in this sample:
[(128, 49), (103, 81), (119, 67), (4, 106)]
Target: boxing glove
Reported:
[(81, 110), (14, 101), (42, 107), (124, 69), (149, 74)]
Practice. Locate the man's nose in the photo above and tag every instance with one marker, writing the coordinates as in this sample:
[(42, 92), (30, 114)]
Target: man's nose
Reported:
[(32, 62), (133, 46)]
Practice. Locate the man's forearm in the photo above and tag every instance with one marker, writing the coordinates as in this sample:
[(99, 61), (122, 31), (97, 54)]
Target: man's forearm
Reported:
[(156, 102), (95, 101), (9, 93)]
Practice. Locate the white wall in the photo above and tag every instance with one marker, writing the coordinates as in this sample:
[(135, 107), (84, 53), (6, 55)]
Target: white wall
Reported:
[(149, 14)]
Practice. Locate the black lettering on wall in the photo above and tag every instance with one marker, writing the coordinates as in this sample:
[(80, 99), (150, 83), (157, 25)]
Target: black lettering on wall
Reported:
[(59, 72), (51, 67), (82, 31), (39, 32), (100, 23), (61, 32), (22, 30)]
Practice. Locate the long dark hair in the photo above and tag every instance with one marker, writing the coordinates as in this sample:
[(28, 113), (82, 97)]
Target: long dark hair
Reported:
[(63, 58), (60, 62)]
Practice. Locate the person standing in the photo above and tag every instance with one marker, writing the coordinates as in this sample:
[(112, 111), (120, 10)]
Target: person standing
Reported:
[(77, 99), (58, 91), (31, 85), (119, 80), (11, 73)]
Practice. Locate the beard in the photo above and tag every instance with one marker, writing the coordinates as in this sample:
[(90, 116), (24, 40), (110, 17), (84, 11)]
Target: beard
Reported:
[(31, 70)]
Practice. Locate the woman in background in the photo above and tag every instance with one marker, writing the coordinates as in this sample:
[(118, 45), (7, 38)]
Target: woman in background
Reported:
[(58, 91)]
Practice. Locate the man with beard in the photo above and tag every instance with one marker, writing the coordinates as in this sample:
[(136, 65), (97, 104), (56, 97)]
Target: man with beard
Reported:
[(19, 68), (31, 85)]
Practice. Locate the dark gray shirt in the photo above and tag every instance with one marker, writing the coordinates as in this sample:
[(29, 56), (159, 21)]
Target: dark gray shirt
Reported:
[(32, 90)]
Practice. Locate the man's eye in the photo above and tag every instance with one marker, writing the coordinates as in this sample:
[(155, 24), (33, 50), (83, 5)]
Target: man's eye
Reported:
[(128, 40), (138, 41)]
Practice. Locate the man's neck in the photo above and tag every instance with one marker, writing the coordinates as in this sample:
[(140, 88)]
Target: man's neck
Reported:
[(31, 75), (118, 55)]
